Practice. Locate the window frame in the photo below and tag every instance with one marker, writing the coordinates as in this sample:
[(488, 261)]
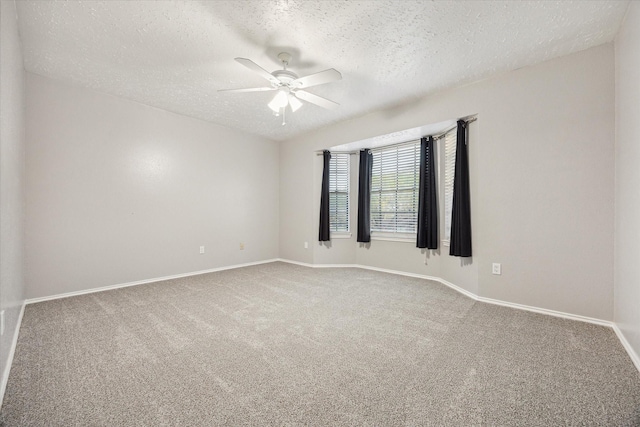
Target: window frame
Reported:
[(339, 181), (407, 155), (449, 142)]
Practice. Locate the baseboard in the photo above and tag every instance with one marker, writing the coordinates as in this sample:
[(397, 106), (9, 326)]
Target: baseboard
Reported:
[(303, 264), (306, 264), (548, 312), (493, 301), (422, 276), (12, 350), (143, 282), (625, 343), (634, 357), (463, 291), (632, 354)]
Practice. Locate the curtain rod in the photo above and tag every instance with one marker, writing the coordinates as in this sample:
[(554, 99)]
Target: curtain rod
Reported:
[(469, 119), (442, 134)]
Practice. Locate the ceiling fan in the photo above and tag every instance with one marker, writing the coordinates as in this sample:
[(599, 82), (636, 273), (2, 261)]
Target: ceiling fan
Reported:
[(289, 86)]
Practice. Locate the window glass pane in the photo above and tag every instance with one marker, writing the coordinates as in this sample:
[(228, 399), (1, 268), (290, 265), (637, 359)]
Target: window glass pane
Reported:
[(449, 172), (394, 188), (339, 192)]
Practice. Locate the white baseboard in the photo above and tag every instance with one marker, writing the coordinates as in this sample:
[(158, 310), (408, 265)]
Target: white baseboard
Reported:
[(462, 291), (142, 282), (634, 357), (12, 350), (625, 343), (421, 276), (548, 312), (632, 354), (290, 261), (306, 264)]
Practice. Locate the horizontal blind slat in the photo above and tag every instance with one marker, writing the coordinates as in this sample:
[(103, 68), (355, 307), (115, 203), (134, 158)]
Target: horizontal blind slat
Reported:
[(339, 193), (394, 189), (449, 172)]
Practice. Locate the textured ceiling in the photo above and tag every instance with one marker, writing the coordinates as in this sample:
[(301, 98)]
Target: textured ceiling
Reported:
[(176, 55)]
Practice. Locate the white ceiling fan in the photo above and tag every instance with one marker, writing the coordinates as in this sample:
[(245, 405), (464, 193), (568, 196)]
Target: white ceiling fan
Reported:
[(289, 86)]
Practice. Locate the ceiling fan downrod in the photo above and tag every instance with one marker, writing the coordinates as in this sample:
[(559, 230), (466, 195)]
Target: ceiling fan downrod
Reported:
[(284, 57)]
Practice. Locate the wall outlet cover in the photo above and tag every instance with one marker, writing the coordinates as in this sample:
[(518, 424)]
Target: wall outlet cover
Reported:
[(496, 268)]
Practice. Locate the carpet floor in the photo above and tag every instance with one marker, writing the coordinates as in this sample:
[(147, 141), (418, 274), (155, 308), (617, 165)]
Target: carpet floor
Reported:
[(280, 344)]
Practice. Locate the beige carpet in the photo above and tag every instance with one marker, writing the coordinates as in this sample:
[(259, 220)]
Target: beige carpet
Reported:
[(280, 344)]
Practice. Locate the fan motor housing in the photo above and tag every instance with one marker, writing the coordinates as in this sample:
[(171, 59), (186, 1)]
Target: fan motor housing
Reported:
[(285, 76)]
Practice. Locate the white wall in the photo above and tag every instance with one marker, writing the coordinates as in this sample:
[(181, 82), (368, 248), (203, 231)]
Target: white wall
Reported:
[(546, 185), (627, 217), (119, 191), (542, 159), (296, 225), (11, 180)]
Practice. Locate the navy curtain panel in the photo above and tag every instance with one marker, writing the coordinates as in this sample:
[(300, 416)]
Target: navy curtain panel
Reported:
[(427, 201), (364, 196), (460, 244), (324, 234)]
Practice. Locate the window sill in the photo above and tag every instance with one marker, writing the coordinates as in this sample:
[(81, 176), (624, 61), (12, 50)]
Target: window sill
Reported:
[(340, 235)]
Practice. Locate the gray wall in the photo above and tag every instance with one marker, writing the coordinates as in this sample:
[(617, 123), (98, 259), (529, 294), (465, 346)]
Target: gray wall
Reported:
[(627, 219), (11, 178), (118, 191), (542, 167)]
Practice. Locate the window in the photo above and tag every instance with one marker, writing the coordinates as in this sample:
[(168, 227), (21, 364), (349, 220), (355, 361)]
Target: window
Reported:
[(450, 140), (339, 193), (394, 188)]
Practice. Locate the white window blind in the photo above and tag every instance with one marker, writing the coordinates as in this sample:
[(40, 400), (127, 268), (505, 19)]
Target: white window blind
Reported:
[(339, 192), (394, 188), (449, 172)]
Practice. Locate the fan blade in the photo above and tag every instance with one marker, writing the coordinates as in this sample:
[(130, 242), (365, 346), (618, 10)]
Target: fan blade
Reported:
[(317, 100), (258, 69), (249, 89), (326, 76)]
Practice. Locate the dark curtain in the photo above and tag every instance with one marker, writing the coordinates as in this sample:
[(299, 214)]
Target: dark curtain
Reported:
[(364, 196), (460, 244), (427, 201), (324, 234)]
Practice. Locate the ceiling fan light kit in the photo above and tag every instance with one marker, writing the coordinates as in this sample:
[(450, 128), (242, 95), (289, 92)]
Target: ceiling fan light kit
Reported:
[(294, 103), (280, 101), (289, 86)]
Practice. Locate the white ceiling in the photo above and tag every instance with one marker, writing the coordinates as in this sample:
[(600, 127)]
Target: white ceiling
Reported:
[(176, 55)]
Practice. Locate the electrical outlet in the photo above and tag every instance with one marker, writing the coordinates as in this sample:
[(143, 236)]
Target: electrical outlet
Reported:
[(496, 268), (306, 245), (242, 246), (2, 322), (201, 250)]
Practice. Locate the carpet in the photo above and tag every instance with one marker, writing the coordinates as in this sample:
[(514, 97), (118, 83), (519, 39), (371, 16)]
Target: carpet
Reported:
[(281, 344)]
